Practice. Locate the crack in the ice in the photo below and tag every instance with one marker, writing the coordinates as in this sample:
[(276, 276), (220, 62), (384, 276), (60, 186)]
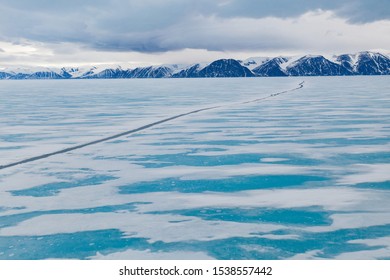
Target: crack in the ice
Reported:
[(139, 129)]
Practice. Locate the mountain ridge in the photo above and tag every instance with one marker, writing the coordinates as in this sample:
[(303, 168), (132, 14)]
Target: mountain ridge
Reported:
[(362, 63)]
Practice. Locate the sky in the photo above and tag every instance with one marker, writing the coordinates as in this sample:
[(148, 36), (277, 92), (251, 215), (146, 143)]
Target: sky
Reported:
[(153, 32)]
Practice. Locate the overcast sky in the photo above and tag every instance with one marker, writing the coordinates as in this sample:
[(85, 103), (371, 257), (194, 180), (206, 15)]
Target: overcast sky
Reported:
[(135, 32)]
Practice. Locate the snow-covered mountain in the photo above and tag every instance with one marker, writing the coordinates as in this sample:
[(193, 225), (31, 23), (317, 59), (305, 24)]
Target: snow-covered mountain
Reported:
[(366, 63), (19, 73), (316, 66), (272, 68), (363, 63), (218, 68)]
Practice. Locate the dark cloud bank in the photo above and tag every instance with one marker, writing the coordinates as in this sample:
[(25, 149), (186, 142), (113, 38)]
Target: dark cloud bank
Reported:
[(158, 26)]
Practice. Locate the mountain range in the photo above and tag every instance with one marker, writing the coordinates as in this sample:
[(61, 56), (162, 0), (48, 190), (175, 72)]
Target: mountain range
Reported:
[(362, 63)]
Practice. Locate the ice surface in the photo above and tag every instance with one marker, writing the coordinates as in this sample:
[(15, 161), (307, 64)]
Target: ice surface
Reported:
[(303, 175)]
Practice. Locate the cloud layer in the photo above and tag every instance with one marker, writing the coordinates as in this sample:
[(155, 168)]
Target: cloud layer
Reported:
[(154, 26)]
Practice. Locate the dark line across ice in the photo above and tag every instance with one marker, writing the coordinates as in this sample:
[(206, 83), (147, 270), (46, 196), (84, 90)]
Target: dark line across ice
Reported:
[(138, 129)]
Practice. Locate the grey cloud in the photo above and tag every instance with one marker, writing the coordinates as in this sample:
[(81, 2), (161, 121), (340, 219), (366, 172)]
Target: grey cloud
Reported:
[(158, 26), (358, 11), (365, 11)]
